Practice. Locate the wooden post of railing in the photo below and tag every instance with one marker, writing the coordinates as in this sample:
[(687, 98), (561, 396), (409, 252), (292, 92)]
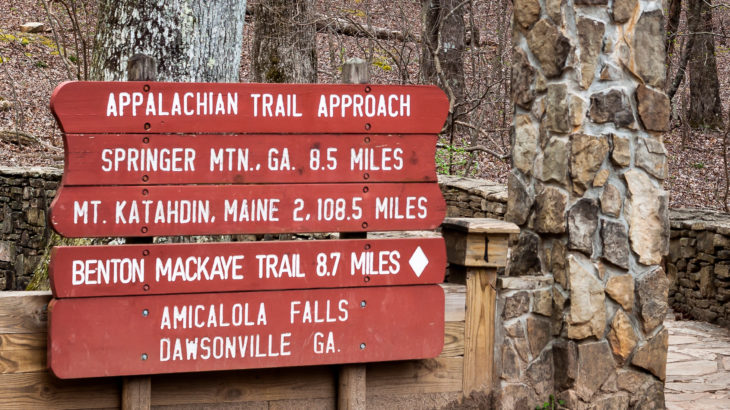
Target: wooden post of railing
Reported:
[(137, 390), (476, 248), (351, 389)]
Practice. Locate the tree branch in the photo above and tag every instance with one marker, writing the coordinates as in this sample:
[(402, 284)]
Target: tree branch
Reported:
[(348, 28), (480, 148), (681, 67)]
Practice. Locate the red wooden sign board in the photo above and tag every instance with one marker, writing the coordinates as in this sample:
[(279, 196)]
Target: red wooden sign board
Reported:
[(235, 209), (275, 158), (113, 107), (83, 271), (95, 337), (116, 159)]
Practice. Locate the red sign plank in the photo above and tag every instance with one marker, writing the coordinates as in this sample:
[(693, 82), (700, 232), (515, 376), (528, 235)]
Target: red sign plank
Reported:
[(83, 271), (234, 209), (95, 337), (114, 159), (121, 107)]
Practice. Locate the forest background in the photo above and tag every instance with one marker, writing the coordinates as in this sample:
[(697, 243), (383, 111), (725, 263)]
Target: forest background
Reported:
[(398, 40)]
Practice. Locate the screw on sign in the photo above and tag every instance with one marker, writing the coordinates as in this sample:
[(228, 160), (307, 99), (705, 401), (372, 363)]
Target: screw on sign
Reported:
[(153, 159)]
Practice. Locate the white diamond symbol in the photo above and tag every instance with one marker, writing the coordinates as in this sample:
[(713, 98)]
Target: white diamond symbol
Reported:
[(418, 261)]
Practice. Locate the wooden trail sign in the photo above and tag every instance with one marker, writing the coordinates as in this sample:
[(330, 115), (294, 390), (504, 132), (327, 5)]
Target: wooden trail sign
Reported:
[(234, 209), (95, 337), (83, 271), (159, 159), (144, 159), (124, 107)]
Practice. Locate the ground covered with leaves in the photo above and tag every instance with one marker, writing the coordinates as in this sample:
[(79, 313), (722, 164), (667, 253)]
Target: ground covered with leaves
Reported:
[(33, 64)]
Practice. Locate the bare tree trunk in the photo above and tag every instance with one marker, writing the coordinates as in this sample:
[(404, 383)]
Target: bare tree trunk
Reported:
[(442, 56), (444, 20), (705, 106), (285, 42), (725, 204), (191, 40), (194, 40), (675, 12)]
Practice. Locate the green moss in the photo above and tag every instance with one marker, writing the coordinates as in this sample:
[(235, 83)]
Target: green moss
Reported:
[(274, 73), (356, 12), (40, 280), (28, 38), (7, 37), (382, 63)]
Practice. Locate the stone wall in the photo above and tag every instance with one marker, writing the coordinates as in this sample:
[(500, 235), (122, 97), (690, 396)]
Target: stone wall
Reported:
[(524, 329), (699, 265), (25, 195), (586, 189), (473, 198)]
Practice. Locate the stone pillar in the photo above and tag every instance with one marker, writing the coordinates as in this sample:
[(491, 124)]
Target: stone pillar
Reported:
[(586, 189)]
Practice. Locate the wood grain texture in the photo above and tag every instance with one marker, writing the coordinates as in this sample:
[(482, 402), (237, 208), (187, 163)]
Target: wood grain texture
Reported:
[(418, 401), (351, 387), (22, 361), (479, 330), (136, 393), (22, 341), (455, 302), (453, 339), (24, 312), (303, 385), (319, 404), (22, 352), (476, 249), (244, 386), (41, 390), (481, 225), (249, 405), (417, 376)]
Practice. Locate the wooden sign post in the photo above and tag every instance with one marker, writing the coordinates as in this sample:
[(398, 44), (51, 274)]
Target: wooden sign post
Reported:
[(136, 390), (477, 247), (150, 159), (352, 388)]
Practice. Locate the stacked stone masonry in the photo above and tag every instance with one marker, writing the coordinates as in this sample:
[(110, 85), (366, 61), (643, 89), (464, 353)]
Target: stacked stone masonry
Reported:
[(583, 304), (25, 195), (473, 198), (699, 265)]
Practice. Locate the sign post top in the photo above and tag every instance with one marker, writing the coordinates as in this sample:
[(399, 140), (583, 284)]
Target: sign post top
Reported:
[(155, 107)]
